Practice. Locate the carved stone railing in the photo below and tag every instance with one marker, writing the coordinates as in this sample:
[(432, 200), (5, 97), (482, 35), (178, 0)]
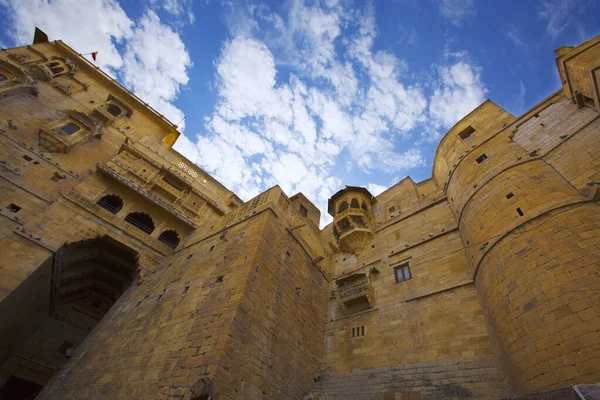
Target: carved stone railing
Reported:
[(165, 206), (351, 293), (98, 211), (354, 211)]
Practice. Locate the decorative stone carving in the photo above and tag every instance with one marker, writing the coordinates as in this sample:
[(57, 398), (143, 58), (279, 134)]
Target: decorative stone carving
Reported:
[(351, 212), (18, 81), (53, 139), (50, 69)]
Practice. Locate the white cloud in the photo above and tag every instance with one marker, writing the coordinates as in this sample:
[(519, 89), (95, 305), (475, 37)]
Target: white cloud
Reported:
[(514, 35), (94, 25), (457, 11), (154, 64), (267, 129), (521, 99), (557, 14), (460, 91), (376, 189), (176, 8)]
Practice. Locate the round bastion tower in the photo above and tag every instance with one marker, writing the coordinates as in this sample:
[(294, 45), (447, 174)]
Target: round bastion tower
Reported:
[(522, 219)]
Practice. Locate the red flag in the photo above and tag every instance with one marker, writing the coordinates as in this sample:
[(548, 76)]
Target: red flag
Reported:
[(94, 55)]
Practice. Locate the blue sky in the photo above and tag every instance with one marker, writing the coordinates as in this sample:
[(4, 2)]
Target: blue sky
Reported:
[(315, 95)]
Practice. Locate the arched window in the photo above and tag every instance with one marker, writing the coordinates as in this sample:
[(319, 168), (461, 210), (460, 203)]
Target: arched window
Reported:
[(53, 64), (354, 204), (170, 238), (364, 206), (114, 110), (3, 78), (343, 206), (70, 128), (141, 220), (111, 202)]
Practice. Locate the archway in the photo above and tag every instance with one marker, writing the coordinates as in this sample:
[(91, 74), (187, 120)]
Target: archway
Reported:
[(50, 314)]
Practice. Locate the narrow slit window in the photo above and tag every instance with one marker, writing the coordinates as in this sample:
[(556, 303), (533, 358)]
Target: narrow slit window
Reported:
[(402, 273), (466, 133), (27, 158), (353, 332), (520, 212), (510, 195), (481, 158)]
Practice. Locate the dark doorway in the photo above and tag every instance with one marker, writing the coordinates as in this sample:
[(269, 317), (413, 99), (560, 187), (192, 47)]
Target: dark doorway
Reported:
[(19, 389), (46, 318)]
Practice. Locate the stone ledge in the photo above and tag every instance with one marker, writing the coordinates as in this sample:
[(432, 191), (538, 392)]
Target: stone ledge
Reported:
[(431, 293)]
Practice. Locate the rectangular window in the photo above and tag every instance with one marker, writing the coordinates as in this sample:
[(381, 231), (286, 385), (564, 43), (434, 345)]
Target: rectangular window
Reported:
[(303, 211), (466, 133), (13, 208), (402, 273), (481, 158), (27, 158), (358, 331)]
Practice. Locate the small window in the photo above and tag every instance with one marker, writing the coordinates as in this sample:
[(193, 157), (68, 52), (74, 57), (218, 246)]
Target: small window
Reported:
[(57, 70), (57, 177), (111, 203), (510, 195), (3, 78), (343, 206), (27, 158), (402, 273), (141, 220), (392, 209), (70, 128), (466, 133), (169, 238), (481, 158), (13, 208), (303, 211), (358, 331), (354, 203), (113, 110), (53, 64), (520, 212)]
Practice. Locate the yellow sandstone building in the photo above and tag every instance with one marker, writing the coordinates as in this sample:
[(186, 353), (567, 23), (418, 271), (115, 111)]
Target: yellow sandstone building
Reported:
[(127, 272)]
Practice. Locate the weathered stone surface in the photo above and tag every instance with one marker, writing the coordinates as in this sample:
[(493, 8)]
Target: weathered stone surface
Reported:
[(126, 272)]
